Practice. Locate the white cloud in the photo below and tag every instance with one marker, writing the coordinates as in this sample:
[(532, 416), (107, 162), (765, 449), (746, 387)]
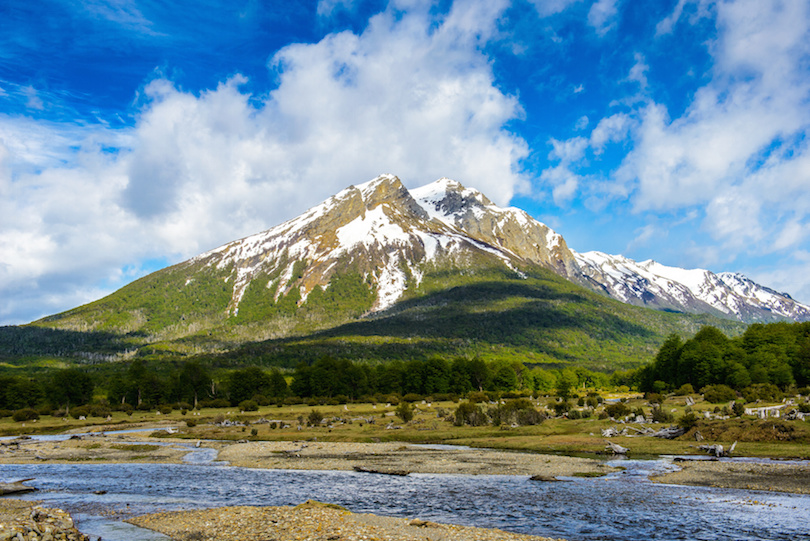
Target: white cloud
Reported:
[(602, 16), (739, 152), (327, 7), (550, 7), (610, 129), (639, 71), (411, 95)]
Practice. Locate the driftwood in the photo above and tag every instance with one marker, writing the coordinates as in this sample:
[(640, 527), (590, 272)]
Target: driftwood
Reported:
[(717, 449), (617, 449), (669, 433), (363, 469), (15, 487)]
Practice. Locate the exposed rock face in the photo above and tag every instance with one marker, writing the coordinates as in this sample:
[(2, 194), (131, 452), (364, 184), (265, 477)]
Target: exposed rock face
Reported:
[(389, 234)]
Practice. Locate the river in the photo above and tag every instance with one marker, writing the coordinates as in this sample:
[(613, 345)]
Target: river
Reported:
[(621, 506)]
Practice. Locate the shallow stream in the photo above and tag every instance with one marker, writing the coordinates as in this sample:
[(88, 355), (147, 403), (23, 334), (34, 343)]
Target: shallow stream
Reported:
[(621, 506)]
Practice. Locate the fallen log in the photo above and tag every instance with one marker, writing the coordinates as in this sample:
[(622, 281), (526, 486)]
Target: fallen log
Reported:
[(16, 487), (669, 433), (617, 449), (363, 469)]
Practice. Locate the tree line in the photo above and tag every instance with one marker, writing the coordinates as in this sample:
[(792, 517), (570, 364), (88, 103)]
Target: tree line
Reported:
[(142, 385), (775, 354)]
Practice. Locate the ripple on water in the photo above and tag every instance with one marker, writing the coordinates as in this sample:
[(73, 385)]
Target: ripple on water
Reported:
[(622, 506)]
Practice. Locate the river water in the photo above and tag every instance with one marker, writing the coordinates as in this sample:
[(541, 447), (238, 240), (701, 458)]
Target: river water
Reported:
[(621, 506)]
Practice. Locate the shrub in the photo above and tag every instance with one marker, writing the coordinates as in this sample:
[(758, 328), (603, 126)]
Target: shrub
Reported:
[(99, 410), (6, 413), (476, 397), (804, 407), (261, 400), (215, 403), (688, 421), (716, 394), (685, 389), (191, 423), (25, 414), (655, 398), (45, 410), (79, 411), (412, 397), (248, 405), (519, 411), (562, 407), (165, 409), (617, 410), (184, 406), (660, 415), (57, 413), (314, 418), (404, 411), (254, 432), (574, 414), (469, 413), (762, 391)]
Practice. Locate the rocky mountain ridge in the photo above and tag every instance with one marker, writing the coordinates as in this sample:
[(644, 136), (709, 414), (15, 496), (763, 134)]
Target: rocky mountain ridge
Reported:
[(391, 235)]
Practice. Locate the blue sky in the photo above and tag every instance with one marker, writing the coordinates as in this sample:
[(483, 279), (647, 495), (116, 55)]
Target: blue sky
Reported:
[(136, 134)]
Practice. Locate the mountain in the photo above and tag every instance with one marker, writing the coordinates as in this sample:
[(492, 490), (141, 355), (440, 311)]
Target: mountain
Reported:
[(379, 263), (648, 283)]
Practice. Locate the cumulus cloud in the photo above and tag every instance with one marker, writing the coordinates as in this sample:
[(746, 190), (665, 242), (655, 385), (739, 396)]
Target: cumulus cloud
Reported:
[(602, 16), (739, 151), (412, 94)]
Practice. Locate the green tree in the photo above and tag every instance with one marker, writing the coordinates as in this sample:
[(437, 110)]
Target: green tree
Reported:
[(71, 387), (245, 383), (404, 411), (193, 381)]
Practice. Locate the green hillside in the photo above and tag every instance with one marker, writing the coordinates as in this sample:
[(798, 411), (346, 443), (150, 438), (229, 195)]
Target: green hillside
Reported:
[(487, 311), (493, 314)]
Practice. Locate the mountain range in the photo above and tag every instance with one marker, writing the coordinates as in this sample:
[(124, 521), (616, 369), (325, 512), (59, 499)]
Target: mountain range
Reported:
[(380, 260), (391, 234)]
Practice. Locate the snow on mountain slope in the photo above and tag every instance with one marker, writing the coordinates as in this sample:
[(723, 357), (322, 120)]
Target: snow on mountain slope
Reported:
[(511, 230), (376, 227), (390, 235), (649, 283)]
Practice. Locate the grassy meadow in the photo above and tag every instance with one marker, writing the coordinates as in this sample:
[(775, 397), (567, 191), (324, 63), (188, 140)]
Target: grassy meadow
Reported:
[(432, 423)]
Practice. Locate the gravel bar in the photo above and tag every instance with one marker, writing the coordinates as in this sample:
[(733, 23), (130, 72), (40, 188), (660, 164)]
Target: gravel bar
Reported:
[(312, 521)]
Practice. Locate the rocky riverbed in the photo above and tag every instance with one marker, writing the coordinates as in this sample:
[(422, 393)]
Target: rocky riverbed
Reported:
[(312, 521), (787, 477), (26, 521)]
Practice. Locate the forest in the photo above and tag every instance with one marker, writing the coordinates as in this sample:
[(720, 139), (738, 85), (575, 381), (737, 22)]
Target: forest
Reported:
[(776, 354), (761, 363)]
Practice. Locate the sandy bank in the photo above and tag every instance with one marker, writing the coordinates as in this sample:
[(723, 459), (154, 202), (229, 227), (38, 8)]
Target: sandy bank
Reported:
[(396, 456), (309, 521), (774, 477)]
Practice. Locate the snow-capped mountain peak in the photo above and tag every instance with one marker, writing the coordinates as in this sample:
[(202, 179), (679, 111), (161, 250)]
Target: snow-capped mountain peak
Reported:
[(390, 235), (650, 283)]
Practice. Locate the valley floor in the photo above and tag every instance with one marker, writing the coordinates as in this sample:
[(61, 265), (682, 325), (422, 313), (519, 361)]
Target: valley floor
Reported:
[(391, 458)]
